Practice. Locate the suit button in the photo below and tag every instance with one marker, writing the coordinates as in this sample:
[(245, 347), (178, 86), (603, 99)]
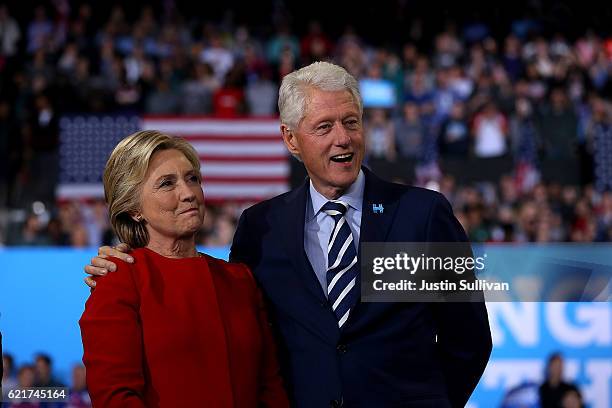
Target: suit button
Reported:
[(341, 348), (335, 403)]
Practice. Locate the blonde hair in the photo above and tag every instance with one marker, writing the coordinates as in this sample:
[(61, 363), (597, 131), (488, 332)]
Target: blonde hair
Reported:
[(325, 76), (123, 177)]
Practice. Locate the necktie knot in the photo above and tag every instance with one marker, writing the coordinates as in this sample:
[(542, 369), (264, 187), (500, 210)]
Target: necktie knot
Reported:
[(335, 208)]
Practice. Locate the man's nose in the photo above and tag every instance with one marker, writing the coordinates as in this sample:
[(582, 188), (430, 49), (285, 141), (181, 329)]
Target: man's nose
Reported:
[(342, 137)]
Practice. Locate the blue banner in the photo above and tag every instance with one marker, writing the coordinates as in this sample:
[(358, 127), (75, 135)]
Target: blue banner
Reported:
[(42, 296)]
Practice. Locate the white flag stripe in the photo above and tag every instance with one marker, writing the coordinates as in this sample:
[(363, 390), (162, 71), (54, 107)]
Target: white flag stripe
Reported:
[(251, 149), (348, 241), (243, 190), (245, 170), (187, 127), (344, 318), (71, 191), (344, 293), (335, 233), (211, 190), (339, 275)]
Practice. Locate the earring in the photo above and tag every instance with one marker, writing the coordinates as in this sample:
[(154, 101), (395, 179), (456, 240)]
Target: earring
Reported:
[(139, 218)]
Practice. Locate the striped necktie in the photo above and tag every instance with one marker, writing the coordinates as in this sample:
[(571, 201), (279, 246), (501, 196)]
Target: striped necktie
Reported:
[(341, 263)]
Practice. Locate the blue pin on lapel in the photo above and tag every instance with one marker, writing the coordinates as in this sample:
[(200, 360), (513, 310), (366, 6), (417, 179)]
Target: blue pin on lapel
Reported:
[(377, 208)]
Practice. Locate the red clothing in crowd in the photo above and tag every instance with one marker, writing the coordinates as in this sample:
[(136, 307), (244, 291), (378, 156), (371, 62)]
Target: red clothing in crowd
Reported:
[(188, 332)]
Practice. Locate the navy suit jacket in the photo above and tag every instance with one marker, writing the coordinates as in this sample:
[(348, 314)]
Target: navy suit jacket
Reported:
[(386, 355)]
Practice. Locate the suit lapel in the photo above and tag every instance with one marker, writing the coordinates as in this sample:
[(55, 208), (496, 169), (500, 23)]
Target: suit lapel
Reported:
[(293, 217), (318, 320), (374, 225)]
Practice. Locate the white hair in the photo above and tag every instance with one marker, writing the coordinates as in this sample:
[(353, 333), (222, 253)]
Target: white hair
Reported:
[(325, 76)]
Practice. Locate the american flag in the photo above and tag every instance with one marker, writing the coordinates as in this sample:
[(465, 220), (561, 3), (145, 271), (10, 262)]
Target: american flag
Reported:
[(241, 159)]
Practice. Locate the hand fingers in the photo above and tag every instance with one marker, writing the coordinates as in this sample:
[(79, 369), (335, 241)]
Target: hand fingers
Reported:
[(123, 247), (105, 250), (103, 263), (90, 282), (96, 271), (123, 256), (118, 252)]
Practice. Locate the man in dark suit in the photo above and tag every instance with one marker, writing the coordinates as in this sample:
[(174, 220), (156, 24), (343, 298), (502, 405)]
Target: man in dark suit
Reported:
[(368, 354), (303, 246)]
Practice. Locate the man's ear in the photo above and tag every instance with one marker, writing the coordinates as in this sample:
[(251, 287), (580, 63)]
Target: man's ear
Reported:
[(290, 140)]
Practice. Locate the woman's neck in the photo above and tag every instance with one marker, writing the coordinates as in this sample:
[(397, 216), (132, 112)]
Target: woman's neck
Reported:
[(174, 248)]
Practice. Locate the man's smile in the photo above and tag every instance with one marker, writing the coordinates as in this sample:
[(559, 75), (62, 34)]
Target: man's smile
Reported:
[(342, 158)]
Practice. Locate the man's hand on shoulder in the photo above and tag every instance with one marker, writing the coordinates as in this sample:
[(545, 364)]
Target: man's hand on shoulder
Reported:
[(100, 265)]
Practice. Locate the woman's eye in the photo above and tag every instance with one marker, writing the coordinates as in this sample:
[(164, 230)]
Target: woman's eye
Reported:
[(194, 178), (165, 183)]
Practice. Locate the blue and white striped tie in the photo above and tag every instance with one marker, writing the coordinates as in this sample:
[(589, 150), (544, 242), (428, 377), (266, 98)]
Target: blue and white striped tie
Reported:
[(341, 263)]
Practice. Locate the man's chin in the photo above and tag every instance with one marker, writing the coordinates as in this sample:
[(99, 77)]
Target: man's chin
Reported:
[(345, 180)]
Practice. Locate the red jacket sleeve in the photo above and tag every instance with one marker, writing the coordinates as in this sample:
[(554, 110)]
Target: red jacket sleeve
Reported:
[(112, 341), (271, 390)]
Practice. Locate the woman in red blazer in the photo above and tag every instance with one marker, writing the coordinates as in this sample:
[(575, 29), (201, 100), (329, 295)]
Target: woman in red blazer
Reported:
[(176, 328)]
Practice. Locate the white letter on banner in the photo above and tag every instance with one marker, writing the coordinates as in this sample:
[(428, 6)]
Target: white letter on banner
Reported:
[(597, 393), (508, 373), (592, 324), (520, 319)]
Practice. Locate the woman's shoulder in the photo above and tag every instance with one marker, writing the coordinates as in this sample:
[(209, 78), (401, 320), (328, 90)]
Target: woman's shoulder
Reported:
[(126, 270), (232, 271), (122, 282)]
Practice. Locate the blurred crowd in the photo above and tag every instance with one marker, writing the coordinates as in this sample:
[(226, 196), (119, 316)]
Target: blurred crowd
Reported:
[(515, 129), (39, 373), (555, 391), (489, 212), (81, 224)]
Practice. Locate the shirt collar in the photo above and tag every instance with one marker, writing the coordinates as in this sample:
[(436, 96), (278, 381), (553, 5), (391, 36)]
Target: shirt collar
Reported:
[(353, 196)]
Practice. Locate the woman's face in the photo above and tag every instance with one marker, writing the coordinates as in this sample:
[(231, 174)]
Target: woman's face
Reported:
[(172, 197)]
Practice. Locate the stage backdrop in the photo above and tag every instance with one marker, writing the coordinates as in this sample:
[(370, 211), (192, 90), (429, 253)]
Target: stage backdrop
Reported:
[(42, 296)]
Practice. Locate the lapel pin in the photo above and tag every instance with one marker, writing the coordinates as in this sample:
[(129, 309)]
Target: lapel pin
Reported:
[(377, 208)]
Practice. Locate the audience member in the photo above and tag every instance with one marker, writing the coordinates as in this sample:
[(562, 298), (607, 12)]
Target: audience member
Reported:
[(555, 392), (78, 395), (44, 372), (9, 380)]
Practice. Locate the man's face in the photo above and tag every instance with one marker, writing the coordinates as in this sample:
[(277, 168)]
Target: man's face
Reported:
[(43, 369), (329, 140)]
